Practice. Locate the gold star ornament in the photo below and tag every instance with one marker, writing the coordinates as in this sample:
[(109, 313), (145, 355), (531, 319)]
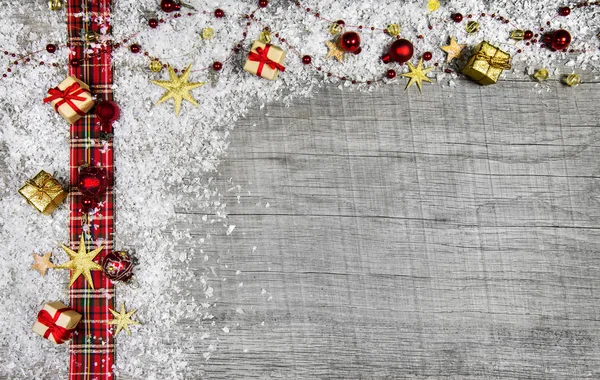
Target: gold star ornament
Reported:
[(81, 262), (178, 88), (417, 74), (42, 263), (122, 319), (334, 51), (454, 50)]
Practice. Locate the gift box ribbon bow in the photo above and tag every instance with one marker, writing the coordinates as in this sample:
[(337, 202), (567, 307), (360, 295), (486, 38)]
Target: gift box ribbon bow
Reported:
[(494, 61), (67, 96), (261, 56), (59, 333), (44, 187)]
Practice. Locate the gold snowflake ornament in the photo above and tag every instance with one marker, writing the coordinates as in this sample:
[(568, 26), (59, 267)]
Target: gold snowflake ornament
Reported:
[(417, 74), (122, 319), (82, 262), (178, 88)]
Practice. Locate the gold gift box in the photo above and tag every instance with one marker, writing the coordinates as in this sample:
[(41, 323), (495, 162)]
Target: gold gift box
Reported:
[(65, 109), (43, 192), (68, 319), (274, 54), (486, 64)]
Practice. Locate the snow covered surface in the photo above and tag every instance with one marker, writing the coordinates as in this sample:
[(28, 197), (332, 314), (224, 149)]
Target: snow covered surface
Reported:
[(173, 158)]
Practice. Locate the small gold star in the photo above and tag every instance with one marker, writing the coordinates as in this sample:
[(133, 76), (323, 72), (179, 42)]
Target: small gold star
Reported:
[(122, 319), (42, 263), (417, 74), (178, 88), (334, 51), (81, 262), (454, 50)]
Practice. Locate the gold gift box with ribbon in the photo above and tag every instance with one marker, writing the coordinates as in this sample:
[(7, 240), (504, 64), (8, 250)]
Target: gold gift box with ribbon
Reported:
[(486, 64), (265, 60), (43, 192)]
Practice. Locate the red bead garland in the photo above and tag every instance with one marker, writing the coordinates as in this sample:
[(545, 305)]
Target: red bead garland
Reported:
[(391, 74), (219, 13), (457, 17), (564, 11), (50, 48), (153, 23), (427, 56), (217, 66), (263, 3), (307, 59), (167, 5), (135, 48)]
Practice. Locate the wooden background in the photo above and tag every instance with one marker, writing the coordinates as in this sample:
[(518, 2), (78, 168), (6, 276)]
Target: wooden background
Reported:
[(450, 235)]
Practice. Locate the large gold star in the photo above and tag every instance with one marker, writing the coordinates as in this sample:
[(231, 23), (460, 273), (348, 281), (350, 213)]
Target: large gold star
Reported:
[(42, 263), (454, 50), (334, 51), (122, 319), (417, 74), (178, 88), (81, 262)]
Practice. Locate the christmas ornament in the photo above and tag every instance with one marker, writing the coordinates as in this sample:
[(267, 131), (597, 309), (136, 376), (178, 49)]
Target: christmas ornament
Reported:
[(153, 23), (517, 35), (88, 204), (393, 30), (334, 51), (427, 56), (50, 48), (265, 60), (265, 36), (572, 80), (81, 262), (417, 75), (56, 321), (560, 39), (92, 181), (263, 3), (472, 27), (55, 5), (391, 74), (107, 111), (400, 51), (167, 5), (307, 59), (564, 11), (527, 35), (541, 75), (486, 64), (217, 66), (336, 27), (454, 50), (71, 99), (178, 88), (208, 33), (155, 66), (43, 192), (350, 42), (122, 320), (433, 5), (42, 263), (118, 266), (219, 13), (457, 17), (135, 48)]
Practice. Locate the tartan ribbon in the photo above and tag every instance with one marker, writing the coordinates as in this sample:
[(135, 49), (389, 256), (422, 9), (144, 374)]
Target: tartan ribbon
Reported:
[(67, 96), (262, 57), (494, 61), (47, 185), (59, 333)]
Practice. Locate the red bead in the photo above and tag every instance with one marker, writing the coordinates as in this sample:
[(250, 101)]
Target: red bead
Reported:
[(107, 111), (88, 204), (263, 3), (457, 17), (391, 74), (307, 59), (74, 62), (118, 266), (153, 23), (340, 22), (400, 51), (350, 42), (564, 11), (219, 13), (167, 5), (135, 48), (92, 181), (217, 66), (427, 56), (528, 35), (50, 48), (560, 39), (177, 7)]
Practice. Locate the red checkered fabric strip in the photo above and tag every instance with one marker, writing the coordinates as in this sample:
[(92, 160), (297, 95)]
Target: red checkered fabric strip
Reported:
[(92, 345)]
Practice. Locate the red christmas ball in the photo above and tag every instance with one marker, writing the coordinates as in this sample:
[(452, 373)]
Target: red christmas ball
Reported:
[(457, 17), (400, 51), (560, 39), (92, 181), (153, 23), (263, 3), (118, 266), (307, 59), (528, 35), (107, 110), (176, 7), (135, 48), (350, 42), (219, 13), (564, 11), (391, 74), (50, 48), (427, 56), (88, 204), (167, 5), (217, 66)]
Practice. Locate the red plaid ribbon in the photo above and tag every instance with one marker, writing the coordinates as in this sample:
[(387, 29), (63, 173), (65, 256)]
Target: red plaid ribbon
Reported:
[(59, 333), (92, 346), (67, 96), (262, 57)]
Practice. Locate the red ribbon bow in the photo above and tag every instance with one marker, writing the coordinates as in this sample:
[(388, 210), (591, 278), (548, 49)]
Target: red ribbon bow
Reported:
[(261, 56), (67, 96), (59, 333)]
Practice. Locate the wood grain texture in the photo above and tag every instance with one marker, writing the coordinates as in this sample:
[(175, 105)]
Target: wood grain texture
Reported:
[(450, 235)]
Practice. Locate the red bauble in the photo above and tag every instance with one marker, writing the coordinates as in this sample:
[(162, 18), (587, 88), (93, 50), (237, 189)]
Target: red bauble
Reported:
[(88, 204), (135, 48), (153, 23), (528, 35), (50, 48), (167, 5), (427, 56), (107, 110), (307, 59), (560, 39), (263, 3), (118, 266), (564, 11), (176, 7), (350, 42), (391, 74), (217, 66), (219, 13), (457, 17), (400, 51), (92, 181)]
